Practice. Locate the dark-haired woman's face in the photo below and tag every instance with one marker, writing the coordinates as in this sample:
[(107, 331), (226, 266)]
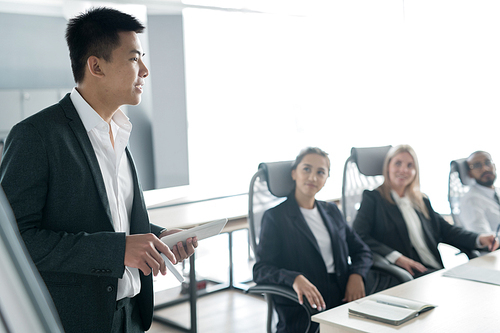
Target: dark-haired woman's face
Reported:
[(311, 175)]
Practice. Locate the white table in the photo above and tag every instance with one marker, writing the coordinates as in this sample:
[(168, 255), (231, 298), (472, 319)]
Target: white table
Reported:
[(177, 213), (463, 306)]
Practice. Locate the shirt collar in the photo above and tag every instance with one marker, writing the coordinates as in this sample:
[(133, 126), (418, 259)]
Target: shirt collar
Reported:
[(486, 191), (91, 119), (400, 200)]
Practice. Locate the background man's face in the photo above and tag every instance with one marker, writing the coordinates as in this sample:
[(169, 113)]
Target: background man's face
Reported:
[(482, 169)]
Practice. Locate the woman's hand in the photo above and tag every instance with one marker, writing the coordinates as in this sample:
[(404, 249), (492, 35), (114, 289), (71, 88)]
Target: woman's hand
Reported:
[(355, 288), (303, 287), (410, 265)]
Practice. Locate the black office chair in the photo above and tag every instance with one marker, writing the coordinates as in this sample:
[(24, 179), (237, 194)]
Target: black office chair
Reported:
[(1, 149), (458, 184), (269, 186), (23, 283), (363, 171)]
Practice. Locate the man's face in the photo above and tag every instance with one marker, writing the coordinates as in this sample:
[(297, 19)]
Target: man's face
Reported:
[(125, 73), (482, 169)]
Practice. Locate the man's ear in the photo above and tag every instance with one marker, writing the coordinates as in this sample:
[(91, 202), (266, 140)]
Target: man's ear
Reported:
[(94, 66)]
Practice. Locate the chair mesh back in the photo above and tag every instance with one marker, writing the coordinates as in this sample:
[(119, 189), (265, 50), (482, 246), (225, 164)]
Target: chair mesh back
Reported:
[(362, 171), (458, 185), (269, 187)]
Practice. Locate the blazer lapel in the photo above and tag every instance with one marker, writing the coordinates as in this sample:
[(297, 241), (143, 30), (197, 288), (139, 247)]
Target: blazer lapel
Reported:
[(429, 238), (396, 218), (139, 221), (334, 235), (300, 223), (80, 133)]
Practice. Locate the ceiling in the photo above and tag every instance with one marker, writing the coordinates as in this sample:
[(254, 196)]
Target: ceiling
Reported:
[(58, 7)]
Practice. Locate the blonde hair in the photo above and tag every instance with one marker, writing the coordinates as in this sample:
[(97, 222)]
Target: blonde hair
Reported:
[(413, 189)]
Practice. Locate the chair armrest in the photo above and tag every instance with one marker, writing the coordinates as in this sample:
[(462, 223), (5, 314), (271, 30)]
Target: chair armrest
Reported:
[(470, 253), (382, 264), (277, 290)]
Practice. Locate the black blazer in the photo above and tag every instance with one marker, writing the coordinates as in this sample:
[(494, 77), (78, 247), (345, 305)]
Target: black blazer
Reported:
[(288, 248), (52, 179), (381, 225)]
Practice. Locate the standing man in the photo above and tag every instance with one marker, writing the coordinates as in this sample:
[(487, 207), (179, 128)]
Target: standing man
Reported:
[(480, 207), (73, 186)]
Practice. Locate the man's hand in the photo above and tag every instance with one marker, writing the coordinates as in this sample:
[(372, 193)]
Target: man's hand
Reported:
[(410, 265), (303, 287), (489, 241), (180, 251), (355, 288), (142, 251)]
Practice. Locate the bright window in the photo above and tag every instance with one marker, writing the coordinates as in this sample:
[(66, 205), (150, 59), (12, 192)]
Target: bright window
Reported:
[(359, 73)]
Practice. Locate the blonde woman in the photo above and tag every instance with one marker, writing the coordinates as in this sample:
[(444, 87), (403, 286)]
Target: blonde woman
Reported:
[(397, 221)]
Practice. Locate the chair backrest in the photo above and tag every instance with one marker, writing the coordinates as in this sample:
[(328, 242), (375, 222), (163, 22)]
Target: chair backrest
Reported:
[(1, 149), (25, 304), (458, 184), (269, 186), (362, 171)]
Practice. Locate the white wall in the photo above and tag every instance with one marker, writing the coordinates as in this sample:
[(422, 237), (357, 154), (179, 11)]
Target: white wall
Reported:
[(259, 87)]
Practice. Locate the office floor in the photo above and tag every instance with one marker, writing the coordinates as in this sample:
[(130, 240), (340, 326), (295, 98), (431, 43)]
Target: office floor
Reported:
[(222, 312), (226, 311)]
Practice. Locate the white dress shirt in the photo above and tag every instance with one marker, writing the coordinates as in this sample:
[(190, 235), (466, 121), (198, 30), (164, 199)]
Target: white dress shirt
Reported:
[(415, 231), (116, 173), (479, 211), (320, 232)]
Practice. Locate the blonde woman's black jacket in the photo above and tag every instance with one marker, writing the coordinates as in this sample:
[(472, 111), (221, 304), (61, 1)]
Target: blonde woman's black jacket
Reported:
[(381, 225)]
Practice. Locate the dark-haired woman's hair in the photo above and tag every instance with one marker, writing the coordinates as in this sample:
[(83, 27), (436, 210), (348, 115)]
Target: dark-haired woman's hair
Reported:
[(310, 150)]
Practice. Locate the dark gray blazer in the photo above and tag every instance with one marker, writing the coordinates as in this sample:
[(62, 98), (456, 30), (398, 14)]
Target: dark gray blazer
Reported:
[(381, 225), (52, 179)]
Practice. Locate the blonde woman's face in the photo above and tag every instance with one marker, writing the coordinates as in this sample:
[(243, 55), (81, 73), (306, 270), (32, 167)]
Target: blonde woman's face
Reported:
[(401, 171)]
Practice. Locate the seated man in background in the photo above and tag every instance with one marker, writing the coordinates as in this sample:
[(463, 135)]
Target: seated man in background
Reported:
[(480, 207)]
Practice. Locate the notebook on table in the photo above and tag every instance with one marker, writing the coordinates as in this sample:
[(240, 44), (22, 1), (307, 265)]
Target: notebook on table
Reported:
[(388, 309)]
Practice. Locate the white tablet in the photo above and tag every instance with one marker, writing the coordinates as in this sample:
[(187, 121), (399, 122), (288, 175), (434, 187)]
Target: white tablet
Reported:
[(171, 268), (202, 231)]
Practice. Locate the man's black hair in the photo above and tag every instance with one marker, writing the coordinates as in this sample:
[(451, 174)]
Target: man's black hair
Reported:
[(95, 33)]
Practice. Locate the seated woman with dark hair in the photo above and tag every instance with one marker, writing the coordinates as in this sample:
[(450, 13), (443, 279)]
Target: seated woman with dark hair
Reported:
[(397, 221), (305, 244)]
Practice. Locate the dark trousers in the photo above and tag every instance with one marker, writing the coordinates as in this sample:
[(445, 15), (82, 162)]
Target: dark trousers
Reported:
[(127, 318)]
